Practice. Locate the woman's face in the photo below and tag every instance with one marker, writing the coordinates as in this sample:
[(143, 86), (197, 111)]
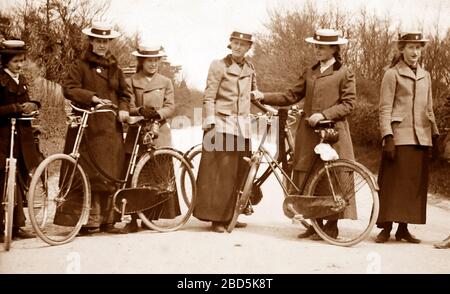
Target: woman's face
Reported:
[(16, 63), (100, 46), (150, 65), (323, 52), (412, 52), (239, 48)]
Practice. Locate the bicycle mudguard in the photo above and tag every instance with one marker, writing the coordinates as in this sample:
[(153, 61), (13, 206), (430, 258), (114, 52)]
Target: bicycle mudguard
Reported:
[(139, 199), (313, 206)]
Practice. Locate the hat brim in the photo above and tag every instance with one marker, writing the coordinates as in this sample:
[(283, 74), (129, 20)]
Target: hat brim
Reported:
[(241, 39), (113, 35), (412, 41), (13, 51), (340, 41), (137, 54)]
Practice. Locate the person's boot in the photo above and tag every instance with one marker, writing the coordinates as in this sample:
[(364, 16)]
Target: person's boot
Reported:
[(403, 234), (385, 233), (19, 233), (218, 227), (111, 229), (444, 244), (132, 227)]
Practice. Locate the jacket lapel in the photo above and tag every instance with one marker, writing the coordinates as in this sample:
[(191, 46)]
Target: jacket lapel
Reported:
[(140, 81), (405, 71), (234, 70), (247, 70)]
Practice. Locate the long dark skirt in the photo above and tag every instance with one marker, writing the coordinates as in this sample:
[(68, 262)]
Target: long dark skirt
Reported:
[(404, 185), (220, 176)]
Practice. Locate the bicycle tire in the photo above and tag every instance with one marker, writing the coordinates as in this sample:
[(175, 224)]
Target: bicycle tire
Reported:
[(9, 191), (354, 183), (59, 189), (160, 171), (191, 157), (243, 196)]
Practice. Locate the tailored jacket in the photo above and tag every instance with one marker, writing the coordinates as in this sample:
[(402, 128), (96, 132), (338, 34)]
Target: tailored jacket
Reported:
[(226, 102), (332, 93), (406, 106), (158, 93)]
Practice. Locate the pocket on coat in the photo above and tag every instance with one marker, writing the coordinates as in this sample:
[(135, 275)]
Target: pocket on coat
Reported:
[(398, 117)]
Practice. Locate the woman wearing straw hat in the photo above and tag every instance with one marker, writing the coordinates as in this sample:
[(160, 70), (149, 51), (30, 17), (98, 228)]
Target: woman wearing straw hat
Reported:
[(153, 97), (328, 89), (408, 128), (15, 102), (226, 104), (96, 79)]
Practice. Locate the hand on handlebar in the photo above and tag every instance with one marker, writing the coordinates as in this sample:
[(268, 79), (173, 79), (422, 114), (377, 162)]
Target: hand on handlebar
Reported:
[(315, 118), (28, 108), (123, 115), (100, 101)]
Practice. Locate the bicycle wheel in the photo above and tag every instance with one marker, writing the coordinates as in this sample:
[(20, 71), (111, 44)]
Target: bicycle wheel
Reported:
[(193, 157), (354, 186), (160, 171), (243, 197), (59, 199), (8, 193)]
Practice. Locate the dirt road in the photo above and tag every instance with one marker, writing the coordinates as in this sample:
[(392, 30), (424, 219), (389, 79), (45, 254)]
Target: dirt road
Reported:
[(267, 245)]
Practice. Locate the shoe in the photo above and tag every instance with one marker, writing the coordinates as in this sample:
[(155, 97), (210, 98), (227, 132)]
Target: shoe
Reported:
[(110, 229), (2, 239), (131, 227), (87, 231), (22, 234), (240, 225), (306, 234), (444, 244), (315, 237), (383, 236), (218, 227), (405, 235)]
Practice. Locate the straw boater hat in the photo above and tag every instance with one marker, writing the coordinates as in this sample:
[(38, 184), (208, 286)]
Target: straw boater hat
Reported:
[(241, 35), (326, 37), (13, 47), (149, 50), (415, 37), (101, 30)]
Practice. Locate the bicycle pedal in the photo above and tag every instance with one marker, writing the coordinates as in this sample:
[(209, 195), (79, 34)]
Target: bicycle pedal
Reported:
[(247, 159)]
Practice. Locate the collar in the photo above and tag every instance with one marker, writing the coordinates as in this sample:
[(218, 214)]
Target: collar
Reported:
[(14, 76), (325, 65)]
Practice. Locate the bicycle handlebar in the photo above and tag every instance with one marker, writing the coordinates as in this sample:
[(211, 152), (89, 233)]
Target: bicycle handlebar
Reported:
[(96, 108)]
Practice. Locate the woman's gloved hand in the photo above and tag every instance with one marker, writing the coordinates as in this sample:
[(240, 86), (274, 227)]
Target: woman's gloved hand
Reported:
[(149, 112), (389, 147), (29, 107)]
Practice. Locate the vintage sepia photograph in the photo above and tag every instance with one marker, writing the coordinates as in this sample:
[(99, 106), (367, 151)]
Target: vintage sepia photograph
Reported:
[(224, 137)]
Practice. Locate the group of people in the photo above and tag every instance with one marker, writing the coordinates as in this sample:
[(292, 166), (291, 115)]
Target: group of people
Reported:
[(328, 88)]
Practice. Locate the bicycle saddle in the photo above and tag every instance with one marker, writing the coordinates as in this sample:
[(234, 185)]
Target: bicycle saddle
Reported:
[(325, 124), (132, 120)]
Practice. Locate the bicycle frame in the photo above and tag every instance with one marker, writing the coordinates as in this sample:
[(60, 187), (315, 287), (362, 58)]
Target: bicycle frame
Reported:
[(8, 196)]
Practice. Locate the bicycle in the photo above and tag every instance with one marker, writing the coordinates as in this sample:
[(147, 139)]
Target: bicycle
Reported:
[(9, 189), (345, 182), (288, 119), (149, 184)]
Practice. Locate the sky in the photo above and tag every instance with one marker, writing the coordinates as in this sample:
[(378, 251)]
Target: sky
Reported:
[(194, 32)]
